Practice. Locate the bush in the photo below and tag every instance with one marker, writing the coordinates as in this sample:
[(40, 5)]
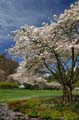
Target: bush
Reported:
[(46, 109), (32, 112), (18, 106), (55, 115), (8, 85), (76, 84), (70, 106), (22, 105), (73, 107), (43, 112), (31, 103), (69, 115)]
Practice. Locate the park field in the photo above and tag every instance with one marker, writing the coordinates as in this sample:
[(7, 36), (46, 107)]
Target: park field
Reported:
[(20, 94)]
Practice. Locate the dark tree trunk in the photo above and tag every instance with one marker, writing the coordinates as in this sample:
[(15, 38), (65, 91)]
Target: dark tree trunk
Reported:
[(67, 94)]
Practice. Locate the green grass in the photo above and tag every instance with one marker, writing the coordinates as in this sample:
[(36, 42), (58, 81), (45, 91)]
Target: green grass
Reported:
[(17, 94)]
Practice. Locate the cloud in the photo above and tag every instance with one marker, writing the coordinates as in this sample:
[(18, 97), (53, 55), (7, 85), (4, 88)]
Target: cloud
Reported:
[(15, 13)]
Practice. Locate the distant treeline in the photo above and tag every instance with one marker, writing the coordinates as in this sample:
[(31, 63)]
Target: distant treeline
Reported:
[(7, 64)]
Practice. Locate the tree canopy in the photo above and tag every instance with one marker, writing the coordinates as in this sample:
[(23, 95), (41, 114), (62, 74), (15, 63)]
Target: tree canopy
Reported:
[(52, 43), (35, 43)]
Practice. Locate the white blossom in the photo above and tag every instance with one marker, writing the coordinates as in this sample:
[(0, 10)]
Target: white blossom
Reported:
[(36, 43)]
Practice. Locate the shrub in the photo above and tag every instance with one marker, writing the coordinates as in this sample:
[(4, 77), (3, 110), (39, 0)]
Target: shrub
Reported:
[(73, 106), (55, 115), (33, 102), (43, 112), (8, 85), (76, 84), (22, 105), (70, 106), (46, 109), (32, 113), (69, 115), (17, 108), (14, 104)]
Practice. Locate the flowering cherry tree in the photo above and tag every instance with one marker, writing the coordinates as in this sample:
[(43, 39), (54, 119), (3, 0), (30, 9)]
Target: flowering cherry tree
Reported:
[(55, 43)]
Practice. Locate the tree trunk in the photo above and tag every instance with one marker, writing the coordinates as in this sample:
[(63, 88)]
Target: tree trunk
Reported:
[(67, 94)]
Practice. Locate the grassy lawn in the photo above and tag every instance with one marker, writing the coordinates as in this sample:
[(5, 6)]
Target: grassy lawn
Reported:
[(16, 94)]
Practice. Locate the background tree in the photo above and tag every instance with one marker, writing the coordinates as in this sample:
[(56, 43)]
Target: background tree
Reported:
[(55, 43), (7, 65)]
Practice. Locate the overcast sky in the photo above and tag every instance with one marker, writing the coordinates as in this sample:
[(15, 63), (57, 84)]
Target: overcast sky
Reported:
[(15, 13)]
